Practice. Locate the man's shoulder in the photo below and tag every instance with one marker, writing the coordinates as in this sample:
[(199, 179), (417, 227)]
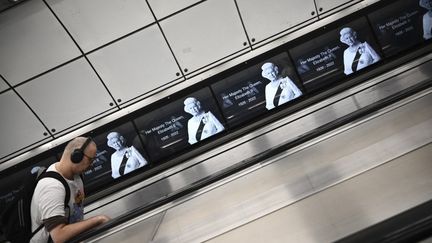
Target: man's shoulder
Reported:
[(48, 190), (48, 183)]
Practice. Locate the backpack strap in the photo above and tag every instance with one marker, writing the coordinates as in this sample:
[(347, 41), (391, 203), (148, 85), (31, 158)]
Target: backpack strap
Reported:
[(37, 230), (57, 176)]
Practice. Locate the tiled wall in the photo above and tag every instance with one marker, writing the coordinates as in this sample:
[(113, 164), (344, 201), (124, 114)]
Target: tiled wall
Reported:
[(64, 64)]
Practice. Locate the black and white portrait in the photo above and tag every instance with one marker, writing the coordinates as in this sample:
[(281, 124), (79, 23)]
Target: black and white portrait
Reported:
[(427, 18), (125, 159), (202, 124), (359, 54), (281, 89)]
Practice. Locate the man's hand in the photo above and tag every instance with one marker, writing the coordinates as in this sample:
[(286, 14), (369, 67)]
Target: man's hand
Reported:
[(64, 232), (103, 219)]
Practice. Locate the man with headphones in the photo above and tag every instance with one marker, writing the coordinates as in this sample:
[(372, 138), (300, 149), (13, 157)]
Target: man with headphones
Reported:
[(62, 222)]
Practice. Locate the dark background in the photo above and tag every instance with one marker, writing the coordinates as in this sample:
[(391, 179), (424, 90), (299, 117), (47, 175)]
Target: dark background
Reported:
[(330, 70), (245, 102), (10, 185), (100, 172), (164, 130), (398, 26)]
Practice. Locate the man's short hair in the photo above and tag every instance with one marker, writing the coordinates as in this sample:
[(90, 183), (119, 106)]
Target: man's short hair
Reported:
[(75, 143)]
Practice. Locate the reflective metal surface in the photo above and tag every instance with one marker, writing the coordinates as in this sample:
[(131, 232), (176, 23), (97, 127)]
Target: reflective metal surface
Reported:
[(280, 132), (314, 172), (141, 232), (347, 207), (329, 187)]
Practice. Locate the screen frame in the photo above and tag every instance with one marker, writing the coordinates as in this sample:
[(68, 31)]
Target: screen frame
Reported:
[(232, 132)]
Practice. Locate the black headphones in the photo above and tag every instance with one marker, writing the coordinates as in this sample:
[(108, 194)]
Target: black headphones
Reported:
[(78, 154)]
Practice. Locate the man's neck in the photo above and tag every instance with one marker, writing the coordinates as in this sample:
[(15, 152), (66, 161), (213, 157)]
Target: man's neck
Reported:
[(64, 171)]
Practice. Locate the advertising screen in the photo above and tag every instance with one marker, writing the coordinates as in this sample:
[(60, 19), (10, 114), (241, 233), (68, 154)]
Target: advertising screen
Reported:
[(335, 54), (401, 25), (256, 89), (10, 185), (179, 124), (119, 152)]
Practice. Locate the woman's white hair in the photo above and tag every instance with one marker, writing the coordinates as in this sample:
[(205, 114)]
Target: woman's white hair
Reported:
[(425, 4), (113, 135), (190, 100), (266, 66), (347, 30)]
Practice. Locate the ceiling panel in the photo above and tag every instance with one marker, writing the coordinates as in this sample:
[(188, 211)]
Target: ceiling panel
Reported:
[(326, 5), (163, 8), (135, 65), (263, 19), (18, 125), (97, 22), (66, 96), (205, 33), (3, 85), (32, 42)]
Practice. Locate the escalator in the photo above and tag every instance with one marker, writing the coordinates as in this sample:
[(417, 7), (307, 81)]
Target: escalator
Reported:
[(320, 174)]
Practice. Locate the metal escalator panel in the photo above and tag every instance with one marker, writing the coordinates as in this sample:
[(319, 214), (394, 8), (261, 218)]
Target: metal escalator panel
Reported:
[(272, 138), (299, 173)]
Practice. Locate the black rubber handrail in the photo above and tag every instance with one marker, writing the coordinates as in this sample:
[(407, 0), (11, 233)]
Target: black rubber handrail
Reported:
[(254, 160), (412, 225)]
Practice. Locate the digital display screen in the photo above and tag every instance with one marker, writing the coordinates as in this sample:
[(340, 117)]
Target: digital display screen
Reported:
[(256, 89), (335, 54), (401, 25), (10, 185), (119, 152), (179, 124)]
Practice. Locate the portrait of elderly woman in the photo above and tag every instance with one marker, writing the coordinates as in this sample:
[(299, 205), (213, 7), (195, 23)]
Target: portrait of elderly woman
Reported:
[(359, 54), (124, 159), (202, 124), (427, 18), (280, 89)]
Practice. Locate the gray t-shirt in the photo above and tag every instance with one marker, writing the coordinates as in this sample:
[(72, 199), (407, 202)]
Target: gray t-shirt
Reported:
[(48, 201)]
